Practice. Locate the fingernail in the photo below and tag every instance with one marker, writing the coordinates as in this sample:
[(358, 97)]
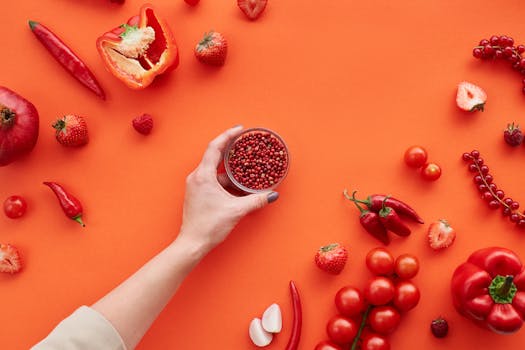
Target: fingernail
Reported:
[(237, 126), (273, 196)]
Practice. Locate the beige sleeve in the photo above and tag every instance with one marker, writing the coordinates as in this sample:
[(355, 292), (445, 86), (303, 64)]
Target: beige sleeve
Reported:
[(83, 329)]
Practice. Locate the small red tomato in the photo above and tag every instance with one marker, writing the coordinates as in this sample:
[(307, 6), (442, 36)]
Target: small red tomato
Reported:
[(379, 290), (375, 342), (380, 262), (341, 330), (327, 345), (384, 319), (415, 156), (15, 207), (406, 266), (349, 301), (431, 172), (406, 296)]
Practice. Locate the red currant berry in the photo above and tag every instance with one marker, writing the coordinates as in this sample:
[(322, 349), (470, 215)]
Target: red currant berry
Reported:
[(514, 205), (503, 40), (477, 52), (508, 51), (479, 161), (473, 168), (466, 156), (484, 42), (506, 211), (487, 196), (483, 188), (484, 169), (493, 187), (475, 154), (494, 40), (520, 48), (494, 204), (508, 201), (514, 217), (478, 179), (488, 50), (489, 178), (522, 63), (510, 41), (500, 194), (516, 65), (498, 54), (521, 223)]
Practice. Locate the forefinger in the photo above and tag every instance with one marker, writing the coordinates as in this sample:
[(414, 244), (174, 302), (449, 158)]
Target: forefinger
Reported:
[(213, 154)]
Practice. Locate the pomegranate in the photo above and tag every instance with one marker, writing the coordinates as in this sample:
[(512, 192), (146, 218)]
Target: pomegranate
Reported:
[(18, 126)]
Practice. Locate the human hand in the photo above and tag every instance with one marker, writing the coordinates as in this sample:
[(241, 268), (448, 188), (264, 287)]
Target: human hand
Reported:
[(210, 212)]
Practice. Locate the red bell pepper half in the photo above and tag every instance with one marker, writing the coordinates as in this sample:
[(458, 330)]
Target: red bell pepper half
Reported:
[(490, 289), (141, 49)]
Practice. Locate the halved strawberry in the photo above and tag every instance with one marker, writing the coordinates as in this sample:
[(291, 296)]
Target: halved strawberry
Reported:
[(252, 8), (441, 235), (9, 259), (470, 97)]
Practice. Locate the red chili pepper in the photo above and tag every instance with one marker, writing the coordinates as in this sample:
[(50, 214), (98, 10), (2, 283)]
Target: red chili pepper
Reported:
[(370, 221), (295, 336), (375, 203), (70, 204), (490, 289), (67, 58), (392, 221)]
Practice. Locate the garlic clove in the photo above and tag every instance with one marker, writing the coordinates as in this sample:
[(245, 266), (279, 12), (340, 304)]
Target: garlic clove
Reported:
[(258, 335), (272, 320)]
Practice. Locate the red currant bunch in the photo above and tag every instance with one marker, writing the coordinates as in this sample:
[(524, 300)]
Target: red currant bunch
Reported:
[(502, 47), (490, 193)]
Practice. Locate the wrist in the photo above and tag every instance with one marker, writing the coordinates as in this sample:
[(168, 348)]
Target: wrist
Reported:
[(194, 248)]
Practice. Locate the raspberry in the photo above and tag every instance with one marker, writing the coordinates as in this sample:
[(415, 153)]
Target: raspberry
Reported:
[(143, 124), (513, 135), (439, 327)]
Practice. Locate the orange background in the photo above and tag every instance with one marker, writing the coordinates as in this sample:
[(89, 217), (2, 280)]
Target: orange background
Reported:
[(349, 85)]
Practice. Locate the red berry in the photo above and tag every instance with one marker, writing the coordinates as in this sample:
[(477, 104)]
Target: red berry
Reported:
[(500, 194), (514, 217), (494, 204), (520, 48), (484, 42), (439, 327), (472, 168), (143, 124), (475, 154), (484, 169), (494, 40), (489, 178), (506, 211), (466, 156), (513, 135), (478, 179), (477, 52)]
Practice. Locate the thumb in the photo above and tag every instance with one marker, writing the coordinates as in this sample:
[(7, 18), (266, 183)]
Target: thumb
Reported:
[(258, 200)]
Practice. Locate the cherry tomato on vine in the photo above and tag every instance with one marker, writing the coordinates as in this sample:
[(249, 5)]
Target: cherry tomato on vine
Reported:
[(341, 330), (384, 319), (349, 301), (379, 290), (15, 207), (406, 296), (406, 266), (415, 156), (327, 345), (380, 262), (373, 341), (431, 172)]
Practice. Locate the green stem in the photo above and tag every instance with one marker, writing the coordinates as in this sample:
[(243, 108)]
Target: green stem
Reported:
[(505, 287), (361, 327), (353, 199)]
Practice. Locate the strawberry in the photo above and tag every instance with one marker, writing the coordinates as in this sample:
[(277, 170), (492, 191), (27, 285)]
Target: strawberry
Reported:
[(441, 235), (71, 131), (439, 327), (143, 124), (332, 258), (9, 259), (212, 49), (470, 97), (513, 135), (252, 8), (192, 2)]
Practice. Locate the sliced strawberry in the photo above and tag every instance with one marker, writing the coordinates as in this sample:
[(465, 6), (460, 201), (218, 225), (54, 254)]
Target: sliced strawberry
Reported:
[(470, 97), (441, 235), (9, 259), (252, 8)]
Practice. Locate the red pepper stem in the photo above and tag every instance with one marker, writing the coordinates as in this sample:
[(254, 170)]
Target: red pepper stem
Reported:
[(361, 327), (79, 220), (505, 287), (345, 193)]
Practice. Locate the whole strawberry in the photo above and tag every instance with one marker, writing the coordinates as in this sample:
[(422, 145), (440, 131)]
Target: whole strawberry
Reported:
[(331, 258), (143, 124), (513, 135), (212, 49), (71, 131), (439, 327)]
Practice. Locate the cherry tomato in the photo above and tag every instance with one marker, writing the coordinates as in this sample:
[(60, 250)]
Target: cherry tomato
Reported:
[(15, 207), (373, 341), (431, 172), (380, 262), (349, 301), (406, 296), (415, 156), (379, 290), (341, 330), (327, 345), (406, 266), (384, 319)]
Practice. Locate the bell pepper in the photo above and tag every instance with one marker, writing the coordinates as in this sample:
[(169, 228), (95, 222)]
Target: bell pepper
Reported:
[(490, 289), (140, 50)]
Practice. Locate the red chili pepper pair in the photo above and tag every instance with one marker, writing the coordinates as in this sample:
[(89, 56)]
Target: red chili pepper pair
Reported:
[(382, 216)]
